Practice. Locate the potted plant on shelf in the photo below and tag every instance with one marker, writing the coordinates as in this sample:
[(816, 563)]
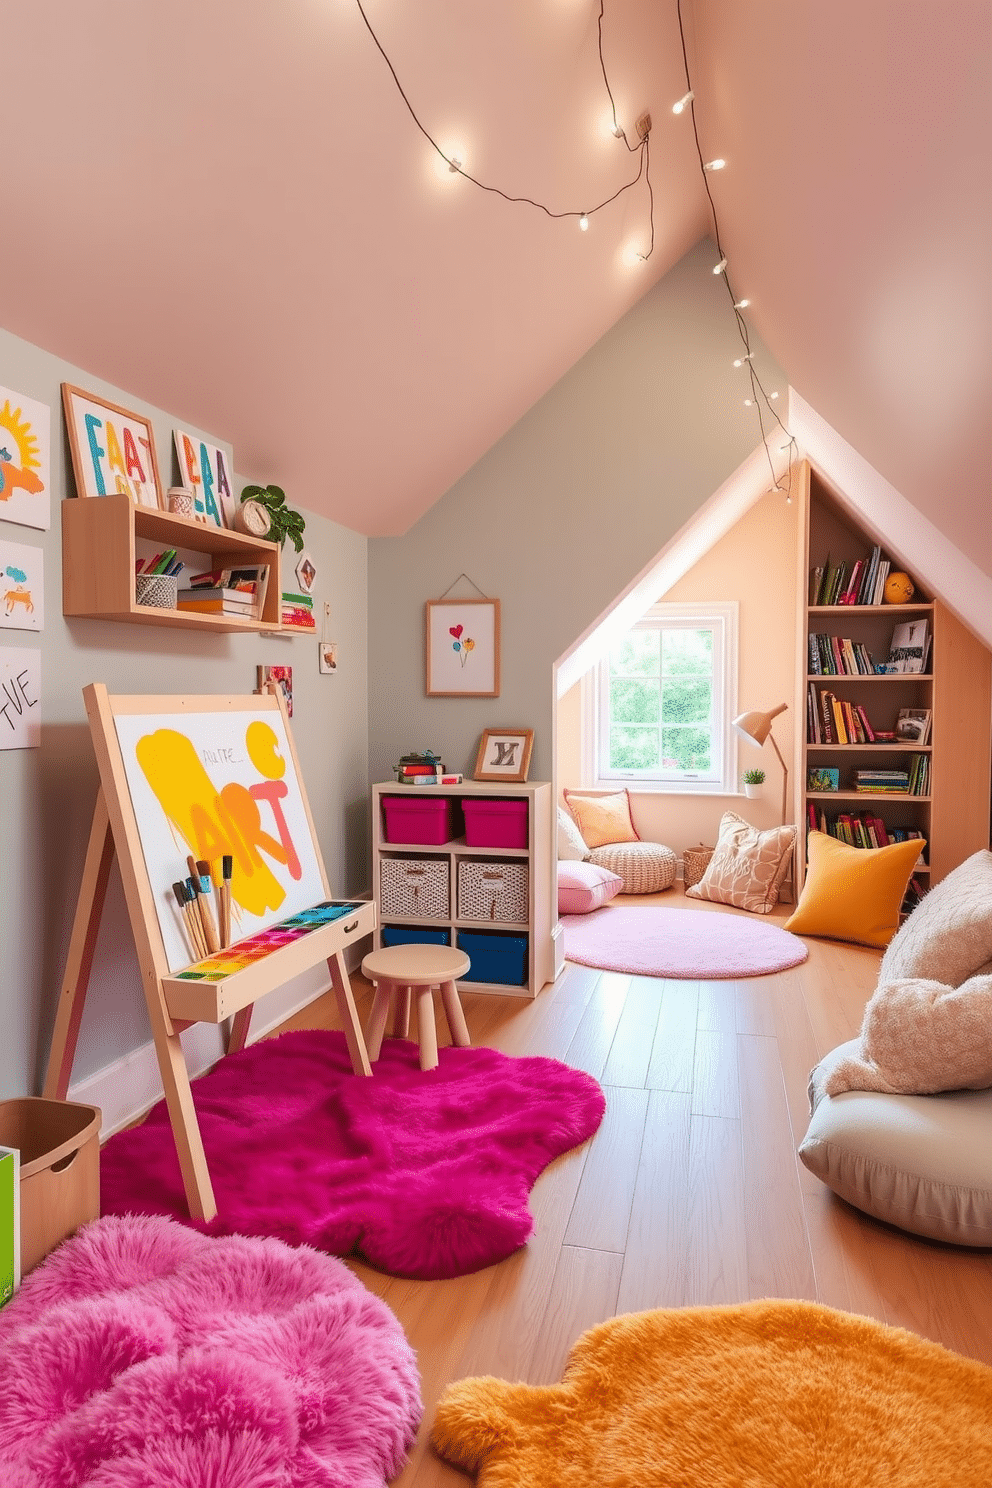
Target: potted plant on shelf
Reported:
[(753, 781), (270, 501)]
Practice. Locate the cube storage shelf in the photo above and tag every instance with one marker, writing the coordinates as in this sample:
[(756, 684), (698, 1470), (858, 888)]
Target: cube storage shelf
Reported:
[(100, 546), (517, 952), (953, 816)]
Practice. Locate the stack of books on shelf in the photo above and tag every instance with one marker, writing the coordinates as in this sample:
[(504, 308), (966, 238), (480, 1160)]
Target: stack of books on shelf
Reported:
[(836, 656), (833, 720), (879, 782), (919, 775), (429, 771), (858, 583), (226, 591), (857, 828), (297, 610)]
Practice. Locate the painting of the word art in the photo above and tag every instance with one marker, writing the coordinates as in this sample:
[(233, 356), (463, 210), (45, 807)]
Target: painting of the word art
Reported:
[(113, 450), (20, 699), (206, 470), (22, 587), (215, 785), (25, 460)]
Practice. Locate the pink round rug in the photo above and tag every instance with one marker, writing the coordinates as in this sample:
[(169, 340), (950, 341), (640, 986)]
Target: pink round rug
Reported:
[(679, 943)]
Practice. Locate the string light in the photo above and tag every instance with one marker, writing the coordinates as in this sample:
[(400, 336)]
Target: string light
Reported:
[(642, 148), (757, 390)]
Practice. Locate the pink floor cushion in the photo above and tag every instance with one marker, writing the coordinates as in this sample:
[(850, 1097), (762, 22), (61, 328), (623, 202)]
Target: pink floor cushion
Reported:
[(142, 1353), (583, 887)]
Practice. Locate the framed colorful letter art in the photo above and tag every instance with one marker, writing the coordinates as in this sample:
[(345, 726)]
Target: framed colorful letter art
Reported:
[(113, 450), (205, 469), (25, 449), (462, 647)]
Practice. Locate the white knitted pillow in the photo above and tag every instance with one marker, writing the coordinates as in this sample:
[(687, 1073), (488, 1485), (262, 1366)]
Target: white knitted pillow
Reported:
[(948, 937)]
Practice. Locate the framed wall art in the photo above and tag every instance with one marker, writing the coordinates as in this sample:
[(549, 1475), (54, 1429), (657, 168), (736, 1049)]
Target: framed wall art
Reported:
[(504, 754), (113, 450), (25, 456), (205, 469), (461, 647)]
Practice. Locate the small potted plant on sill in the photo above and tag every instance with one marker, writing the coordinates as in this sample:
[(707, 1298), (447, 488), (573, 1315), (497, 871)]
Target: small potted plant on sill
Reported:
[(753, 781)]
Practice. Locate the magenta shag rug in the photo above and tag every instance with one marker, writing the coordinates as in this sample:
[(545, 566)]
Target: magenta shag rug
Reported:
[(422, 1173), (141, 1353), (679, 943)]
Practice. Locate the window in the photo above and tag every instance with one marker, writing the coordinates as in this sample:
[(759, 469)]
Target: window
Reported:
[(666, 692)]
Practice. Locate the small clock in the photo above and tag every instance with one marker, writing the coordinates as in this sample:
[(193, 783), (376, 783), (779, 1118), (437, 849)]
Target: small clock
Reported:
[(251, 517)]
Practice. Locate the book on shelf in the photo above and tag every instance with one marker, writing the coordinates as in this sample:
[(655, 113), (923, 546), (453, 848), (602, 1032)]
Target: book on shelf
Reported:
[(208, 593), (909, 647), (217, 607), (913, 725), (861, 582)]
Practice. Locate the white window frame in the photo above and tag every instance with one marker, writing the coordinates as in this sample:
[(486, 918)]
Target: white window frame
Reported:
[(723, 617)]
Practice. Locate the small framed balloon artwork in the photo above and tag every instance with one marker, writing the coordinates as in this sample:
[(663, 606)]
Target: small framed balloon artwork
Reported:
[(461, 647)]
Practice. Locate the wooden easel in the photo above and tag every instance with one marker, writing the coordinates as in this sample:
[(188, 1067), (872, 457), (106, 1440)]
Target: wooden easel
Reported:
[(175, 1003)]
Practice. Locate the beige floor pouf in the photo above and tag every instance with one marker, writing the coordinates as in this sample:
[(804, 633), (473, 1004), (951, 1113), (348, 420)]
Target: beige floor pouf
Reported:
[(645, 867)]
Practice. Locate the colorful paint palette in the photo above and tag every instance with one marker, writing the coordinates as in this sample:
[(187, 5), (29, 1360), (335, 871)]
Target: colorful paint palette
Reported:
[(255, 947)]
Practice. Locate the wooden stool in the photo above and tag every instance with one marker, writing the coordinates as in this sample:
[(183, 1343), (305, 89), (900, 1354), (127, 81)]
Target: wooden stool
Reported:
[(420, 967)]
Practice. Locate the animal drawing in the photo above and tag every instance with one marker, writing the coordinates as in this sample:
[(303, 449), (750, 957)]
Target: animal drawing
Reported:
[(11, 477), (19, 596)]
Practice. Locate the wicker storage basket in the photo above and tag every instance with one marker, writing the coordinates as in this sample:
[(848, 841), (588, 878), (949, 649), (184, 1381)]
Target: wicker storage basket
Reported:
[(493, 891), (695, 861), (414, 886)]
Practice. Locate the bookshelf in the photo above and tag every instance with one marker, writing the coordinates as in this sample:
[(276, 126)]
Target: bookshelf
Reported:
[(103, 536), (949, 806)]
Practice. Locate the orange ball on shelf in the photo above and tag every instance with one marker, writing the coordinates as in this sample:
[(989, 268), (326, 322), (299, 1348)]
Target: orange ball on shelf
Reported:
[(899, 589)]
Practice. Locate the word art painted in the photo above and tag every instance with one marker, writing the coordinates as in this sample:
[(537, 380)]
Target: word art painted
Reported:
[(113, 450), (205, 469), (20, 699)]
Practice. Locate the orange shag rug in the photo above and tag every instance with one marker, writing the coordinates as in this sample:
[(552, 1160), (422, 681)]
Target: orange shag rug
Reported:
[(766, 1394)]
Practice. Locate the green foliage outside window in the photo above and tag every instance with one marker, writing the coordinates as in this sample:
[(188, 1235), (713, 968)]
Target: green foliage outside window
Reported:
[(661, 701)]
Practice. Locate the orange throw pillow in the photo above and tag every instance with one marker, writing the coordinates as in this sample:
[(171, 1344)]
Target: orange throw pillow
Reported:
[(602, 819)]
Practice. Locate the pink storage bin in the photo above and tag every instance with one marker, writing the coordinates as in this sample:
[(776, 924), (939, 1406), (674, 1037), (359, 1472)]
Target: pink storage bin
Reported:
[(490, 823), (415, 820)]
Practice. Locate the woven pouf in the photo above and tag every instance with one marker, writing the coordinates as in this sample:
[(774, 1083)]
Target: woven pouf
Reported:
[(645, 867)]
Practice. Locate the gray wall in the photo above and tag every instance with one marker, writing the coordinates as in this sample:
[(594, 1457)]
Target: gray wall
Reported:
[(47, 794), (561, 514)]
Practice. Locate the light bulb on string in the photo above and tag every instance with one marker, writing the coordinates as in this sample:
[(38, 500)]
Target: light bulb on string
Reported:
[(714, 165), (719, 268), (747, 357), (616, 130), (454, 164), (748, 402), (584, 222), (773, 395), (683, 103), (741, 304)]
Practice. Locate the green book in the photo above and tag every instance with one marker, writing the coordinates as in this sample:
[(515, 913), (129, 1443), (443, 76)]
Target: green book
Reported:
[(10, 1223)]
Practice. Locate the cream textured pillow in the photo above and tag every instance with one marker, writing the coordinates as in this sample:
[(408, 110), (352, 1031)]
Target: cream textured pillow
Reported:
[(602, 819), (948, 937), (747, 867), (919, 1037), (571, 847)]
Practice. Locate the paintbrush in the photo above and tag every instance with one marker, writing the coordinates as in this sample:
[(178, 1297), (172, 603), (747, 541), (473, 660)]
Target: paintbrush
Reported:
[(205, 903), (192, 929), (227, 865), (196, 900)]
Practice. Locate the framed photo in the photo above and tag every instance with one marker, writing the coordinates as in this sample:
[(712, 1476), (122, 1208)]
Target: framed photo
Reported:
[(270, 677), (504, 754), (461, 638), (328, 656), (204, 470), (822, 780), (113, 450), (306, 572)]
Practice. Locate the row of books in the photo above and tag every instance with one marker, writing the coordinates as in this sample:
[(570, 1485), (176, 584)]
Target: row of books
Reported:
[(838, 656), (297, 610), (858, 828), (859, 583), (914, 781), (833, 720)]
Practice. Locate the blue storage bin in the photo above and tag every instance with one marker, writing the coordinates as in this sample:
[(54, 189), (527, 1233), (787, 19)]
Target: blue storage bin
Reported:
[(494, 958), (412, 935)]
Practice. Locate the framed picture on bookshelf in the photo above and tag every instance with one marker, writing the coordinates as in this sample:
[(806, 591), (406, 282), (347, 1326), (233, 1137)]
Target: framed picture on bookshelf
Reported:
[(913, 725), (504, 754), (113, 450), (908, 651), (822, 780)]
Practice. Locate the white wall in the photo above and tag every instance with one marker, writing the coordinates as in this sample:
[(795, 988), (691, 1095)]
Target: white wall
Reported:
[(562, 513), (47, 794)]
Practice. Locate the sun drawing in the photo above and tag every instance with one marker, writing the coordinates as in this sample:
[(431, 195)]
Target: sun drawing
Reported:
[(20, 472)]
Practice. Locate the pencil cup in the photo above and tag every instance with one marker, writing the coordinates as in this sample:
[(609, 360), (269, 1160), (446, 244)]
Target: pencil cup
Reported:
[(181, 502), (157, 589)]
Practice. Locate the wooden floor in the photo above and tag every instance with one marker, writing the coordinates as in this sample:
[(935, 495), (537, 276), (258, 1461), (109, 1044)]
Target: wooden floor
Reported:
[(691, 1192)]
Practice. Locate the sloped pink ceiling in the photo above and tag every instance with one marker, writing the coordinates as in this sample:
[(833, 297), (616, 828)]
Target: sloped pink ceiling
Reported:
[(226, 209)]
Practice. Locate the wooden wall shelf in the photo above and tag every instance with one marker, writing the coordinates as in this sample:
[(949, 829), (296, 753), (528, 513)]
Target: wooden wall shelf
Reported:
[(100, 537)]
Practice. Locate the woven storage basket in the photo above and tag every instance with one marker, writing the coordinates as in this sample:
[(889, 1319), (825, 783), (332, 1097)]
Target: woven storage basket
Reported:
[(493, 891), (157, 589), (414, 886), (695, 861)]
